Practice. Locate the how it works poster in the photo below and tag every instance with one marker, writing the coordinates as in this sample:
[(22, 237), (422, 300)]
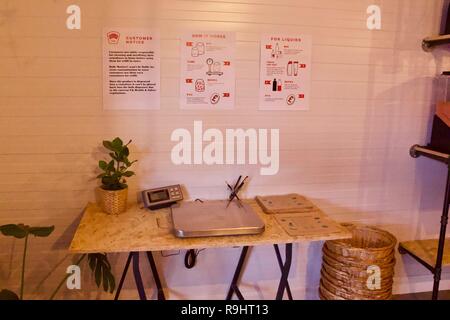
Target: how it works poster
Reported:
[(207, 70)]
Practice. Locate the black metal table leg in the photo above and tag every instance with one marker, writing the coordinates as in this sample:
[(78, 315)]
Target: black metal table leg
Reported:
[(233, 287), (161, 295), (280, 263), (440, 252), (137, 276), (124, 274), (285, 272)]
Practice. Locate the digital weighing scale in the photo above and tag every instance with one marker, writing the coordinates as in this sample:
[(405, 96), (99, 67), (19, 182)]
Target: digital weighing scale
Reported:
[(215, 218)]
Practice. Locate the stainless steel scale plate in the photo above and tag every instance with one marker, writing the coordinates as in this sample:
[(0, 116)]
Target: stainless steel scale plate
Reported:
[(214, 218)]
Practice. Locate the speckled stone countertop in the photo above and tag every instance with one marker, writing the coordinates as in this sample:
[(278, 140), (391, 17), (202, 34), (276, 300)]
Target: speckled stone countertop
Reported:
[(141, 230)]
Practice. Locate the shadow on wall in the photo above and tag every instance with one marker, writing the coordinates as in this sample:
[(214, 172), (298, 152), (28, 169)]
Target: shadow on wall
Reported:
[(62, 244), (57, 271)]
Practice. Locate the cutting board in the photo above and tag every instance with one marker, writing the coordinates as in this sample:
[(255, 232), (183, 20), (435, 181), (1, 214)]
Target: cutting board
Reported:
[(308, 224), (287, 203)]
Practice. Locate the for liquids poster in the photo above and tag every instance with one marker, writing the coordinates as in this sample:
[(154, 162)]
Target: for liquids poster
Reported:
[(207, 70), (131, 68), (285, 72)]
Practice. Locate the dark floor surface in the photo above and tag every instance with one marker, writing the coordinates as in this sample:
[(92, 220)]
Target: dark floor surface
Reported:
[(443, 295)]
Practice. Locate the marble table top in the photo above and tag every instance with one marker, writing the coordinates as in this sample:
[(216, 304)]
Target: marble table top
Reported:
[(139, 229)]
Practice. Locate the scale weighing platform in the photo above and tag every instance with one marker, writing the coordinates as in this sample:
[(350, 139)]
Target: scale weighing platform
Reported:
[(215, 218)]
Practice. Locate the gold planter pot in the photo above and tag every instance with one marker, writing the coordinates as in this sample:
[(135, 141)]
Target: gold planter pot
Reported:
[(112, 202)]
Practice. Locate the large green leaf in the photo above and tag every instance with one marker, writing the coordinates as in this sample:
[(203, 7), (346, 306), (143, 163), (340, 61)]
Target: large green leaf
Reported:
[(128, 174), (111, 166), (112, 282), (8, 295), (41, 231), (117, 143), (108, 145), (105, 280), (101, 268), (98, 274), (15, 230), (102, 165), (92, 261)]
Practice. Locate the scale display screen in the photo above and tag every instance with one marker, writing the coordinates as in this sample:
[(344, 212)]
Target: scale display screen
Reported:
[(163, 197), (160, 195)]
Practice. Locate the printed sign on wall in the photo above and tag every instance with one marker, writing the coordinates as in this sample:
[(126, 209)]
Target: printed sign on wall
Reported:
[(131, 69), (285, 72), (207, 70)]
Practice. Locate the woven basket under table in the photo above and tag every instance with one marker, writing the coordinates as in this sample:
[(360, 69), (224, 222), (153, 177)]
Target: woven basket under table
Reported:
[(345, 264)]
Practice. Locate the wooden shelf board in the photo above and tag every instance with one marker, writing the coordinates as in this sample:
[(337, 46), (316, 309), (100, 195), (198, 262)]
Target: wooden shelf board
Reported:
[(427, 250)]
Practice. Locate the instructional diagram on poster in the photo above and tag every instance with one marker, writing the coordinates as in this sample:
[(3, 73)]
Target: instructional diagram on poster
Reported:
[(285, 72), (131, 69), (207, 70)]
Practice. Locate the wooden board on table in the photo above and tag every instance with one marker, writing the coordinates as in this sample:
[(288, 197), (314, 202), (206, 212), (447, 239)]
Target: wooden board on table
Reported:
[(287, 203), (301, 224)]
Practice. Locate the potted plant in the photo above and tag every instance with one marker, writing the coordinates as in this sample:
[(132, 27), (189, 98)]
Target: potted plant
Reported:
[(113, 193)]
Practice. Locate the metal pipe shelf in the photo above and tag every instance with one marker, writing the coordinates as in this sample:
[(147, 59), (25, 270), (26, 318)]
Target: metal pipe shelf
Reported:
[(433, 254), (430, 42), (417, 151)]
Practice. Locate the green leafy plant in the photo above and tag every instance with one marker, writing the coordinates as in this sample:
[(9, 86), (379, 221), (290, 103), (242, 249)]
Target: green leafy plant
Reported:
[(21, 231), (98, 262), (100, 266), (116, 170)]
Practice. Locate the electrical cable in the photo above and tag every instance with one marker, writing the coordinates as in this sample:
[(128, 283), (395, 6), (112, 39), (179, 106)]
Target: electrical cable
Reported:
[(190, 258), (170, 254)]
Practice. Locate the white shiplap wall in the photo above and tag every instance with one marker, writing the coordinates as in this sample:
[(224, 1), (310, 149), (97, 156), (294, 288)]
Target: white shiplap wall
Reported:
[(372, 97)]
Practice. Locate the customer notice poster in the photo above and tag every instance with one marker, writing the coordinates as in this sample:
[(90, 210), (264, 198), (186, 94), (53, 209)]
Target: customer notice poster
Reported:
[(207, 70), (131, 69), (285, 72)]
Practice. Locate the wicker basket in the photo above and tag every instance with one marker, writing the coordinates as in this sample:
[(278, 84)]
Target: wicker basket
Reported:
[(342, 278), (345, 263), (367, 243), (112, 202)]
